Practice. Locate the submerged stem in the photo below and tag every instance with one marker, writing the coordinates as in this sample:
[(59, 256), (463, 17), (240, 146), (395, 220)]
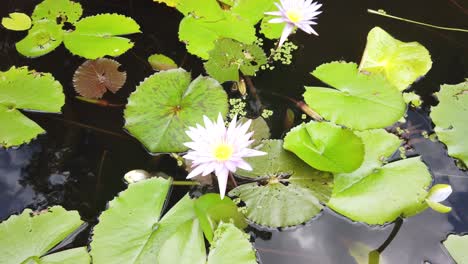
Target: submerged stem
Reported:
[(383, 13), (301, 105), (185, 183)]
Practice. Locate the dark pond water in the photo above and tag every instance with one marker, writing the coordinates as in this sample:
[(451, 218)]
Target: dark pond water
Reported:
[(81, 161)]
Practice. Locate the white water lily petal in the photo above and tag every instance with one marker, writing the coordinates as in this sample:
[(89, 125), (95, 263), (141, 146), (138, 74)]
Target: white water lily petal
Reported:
[(295, 13), (215, 148), (439, 193)]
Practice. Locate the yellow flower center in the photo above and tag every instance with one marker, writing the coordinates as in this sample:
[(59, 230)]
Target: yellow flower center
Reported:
[(223, 152), (294, 15)]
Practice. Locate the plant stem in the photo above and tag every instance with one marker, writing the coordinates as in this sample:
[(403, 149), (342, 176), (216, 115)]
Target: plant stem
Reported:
[(234, 182), (396, 228), (383, 13), (253, 93), (78, 124), (301, 105), (98, 102), (185, 183)]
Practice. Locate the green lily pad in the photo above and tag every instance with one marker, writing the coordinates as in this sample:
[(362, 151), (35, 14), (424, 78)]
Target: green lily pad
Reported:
[(384, 194), (171, 3), (160, 62), (252, 11), (231, 246), (200, 35), (325, 146), (378, 146), (164, 105), (451, 119), (365, 101), (25, 238), (456, 245), (209, 10), (139, 207), (402, 63), (271, 30), (211, 210), (98, 36), (44, 37), (21, 88), (17, 21), (70, 256), (61, 10), (289, 192), (229, 57)]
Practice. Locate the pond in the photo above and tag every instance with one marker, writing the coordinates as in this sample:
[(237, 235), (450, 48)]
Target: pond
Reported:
[(80, 161)]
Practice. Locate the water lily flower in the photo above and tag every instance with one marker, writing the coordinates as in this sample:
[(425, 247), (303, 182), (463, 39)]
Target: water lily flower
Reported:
[(438, 194), (296, 13), (218, 149)]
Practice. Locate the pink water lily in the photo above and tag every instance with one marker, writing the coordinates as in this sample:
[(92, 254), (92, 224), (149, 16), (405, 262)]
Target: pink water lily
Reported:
[(296, 13), (218, 149)]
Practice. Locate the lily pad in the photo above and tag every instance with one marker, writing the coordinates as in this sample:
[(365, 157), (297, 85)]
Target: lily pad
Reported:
[(58, 10), (17, 21), (94, 77), (451, 119), (252, 11), (139, 207), (165, 104), (229, 57), (326, 147), (160, 62), (209, 10), (402, 63), (44, 37), (231, 246), (70, 256), (378, 146), (456, 245), (365, 101), (171, 3), (21, 88), (28, 236), (200, 35), (288, 191), (386, 193), (211, 210), (98, 36)]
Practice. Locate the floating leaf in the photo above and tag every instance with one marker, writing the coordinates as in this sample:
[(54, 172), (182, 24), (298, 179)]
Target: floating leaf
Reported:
[(70, 256), (260, 128), (279, 200), (164, 105), (42, 38), (413, 99), (58, 10), (401, 62), (28, 90), (160, 62), (94, 77), (360, 101), (451, 119), (200, 35), (231, 246), (229, 56), (271, 30), (325, 146), (17, 21), (209, 10), (393, 190), (25, 238), (456, 245), (171, 3), (211, 210), (378, 145), (98, 36), (139, 207)]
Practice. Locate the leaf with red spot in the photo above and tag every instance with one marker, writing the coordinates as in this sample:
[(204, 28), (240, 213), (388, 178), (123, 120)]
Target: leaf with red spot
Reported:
[(94, 77)]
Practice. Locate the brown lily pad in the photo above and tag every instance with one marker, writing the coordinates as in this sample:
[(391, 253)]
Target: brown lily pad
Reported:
[(94, 77)]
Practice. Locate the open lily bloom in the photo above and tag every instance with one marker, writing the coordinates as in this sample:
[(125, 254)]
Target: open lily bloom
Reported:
[(218, 149), (296, 13)]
